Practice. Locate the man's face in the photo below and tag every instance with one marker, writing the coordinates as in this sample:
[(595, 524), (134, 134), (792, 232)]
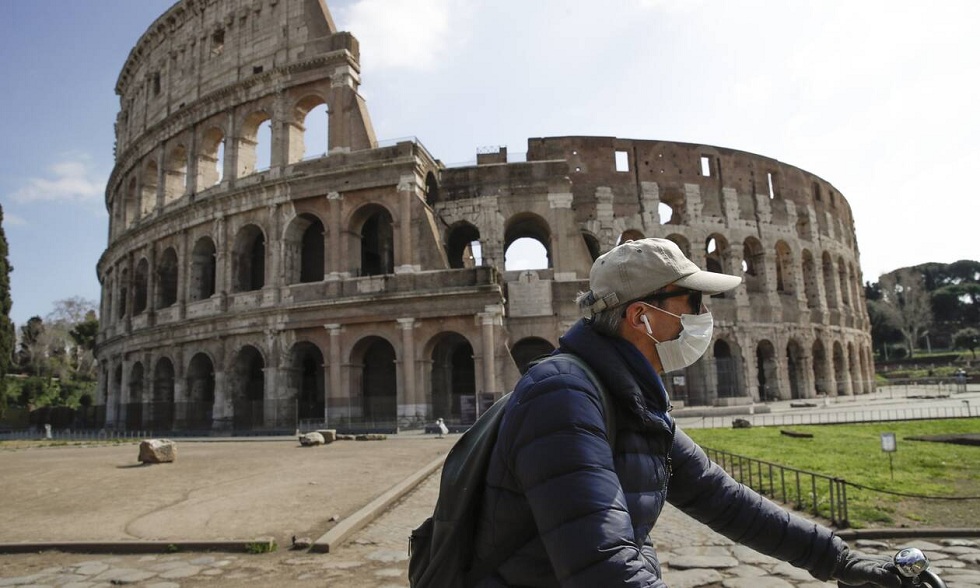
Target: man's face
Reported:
[(663, 315)]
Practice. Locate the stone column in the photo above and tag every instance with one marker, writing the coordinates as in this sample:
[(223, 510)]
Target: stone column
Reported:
[(111, 395), (404, 254), (333, 253), (335, 393), (274, 255), (488, 321), (222, 263), (223, 412), (410, 406)]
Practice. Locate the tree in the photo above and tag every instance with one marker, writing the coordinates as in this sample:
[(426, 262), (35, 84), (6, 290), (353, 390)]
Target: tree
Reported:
[(907, 301), (71, 330), (7, 333), (32, 356), (968, 338)]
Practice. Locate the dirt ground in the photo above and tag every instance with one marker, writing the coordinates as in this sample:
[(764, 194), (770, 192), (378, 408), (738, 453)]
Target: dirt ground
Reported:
[(235, 490)]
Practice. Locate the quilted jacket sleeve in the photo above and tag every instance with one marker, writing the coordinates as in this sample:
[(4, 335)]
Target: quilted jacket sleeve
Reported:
[(564, 465), (703, 490)]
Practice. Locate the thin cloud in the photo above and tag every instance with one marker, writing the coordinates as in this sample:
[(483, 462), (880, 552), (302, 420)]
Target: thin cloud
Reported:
[(400, 34), (69, 180), (13, 220)]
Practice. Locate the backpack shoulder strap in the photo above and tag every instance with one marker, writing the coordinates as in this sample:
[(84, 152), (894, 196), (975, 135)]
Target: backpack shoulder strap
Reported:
[(608, 410)]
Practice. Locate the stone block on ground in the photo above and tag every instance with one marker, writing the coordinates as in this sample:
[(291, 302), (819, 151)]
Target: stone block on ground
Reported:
[(157, 451), (371, 437), (329, 435), (311, 439)]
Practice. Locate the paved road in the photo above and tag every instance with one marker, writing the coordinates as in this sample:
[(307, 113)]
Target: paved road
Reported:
[(376, 556)]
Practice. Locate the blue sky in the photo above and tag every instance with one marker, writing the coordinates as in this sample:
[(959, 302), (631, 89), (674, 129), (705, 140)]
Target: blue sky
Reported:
[(878, 98)]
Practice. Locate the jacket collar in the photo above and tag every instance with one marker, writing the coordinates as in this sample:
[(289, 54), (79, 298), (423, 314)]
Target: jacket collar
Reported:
[(627, 374)]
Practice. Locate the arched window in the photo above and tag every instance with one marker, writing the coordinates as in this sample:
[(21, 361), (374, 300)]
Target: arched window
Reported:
[(148, 191), (210, 160), (377, 244), (161, 417), (785, 277), (175, 174), (248, 389), (453, 379), (527, 238), (200, 393), (255, 144), (810, 280), (465, 249), (829, 281), (203, 269), (140, 284), (167, 279), (754, 265), (528, 349), (248, 262), (316, 132), (306, 382)]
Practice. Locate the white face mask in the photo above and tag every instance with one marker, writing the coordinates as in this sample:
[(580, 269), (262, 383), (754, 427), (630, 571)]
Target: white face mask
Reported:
[(689, 346)]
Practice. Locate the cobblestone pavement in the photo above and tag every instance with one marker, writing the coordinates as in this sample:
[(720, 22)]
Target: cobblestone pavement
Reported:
[(376, 557)]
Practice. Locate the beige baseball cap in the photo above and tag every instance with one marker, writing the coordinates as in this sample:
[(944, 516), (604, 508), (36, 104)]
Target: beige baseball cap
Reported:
[(638, 268)]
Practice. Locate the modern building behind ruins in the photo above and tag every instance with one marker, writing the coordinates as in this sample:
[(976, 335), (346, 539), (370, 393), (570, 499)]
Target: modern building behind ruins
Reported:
[(368, 284)]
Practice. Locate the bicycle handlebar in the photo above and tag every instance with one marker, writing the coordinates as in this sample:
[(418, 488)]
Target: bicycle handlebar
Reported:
[(913, 566)]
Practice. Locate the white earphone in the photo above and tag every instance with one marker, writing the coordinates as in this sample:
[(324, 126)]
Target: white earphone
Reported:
[(646, 323)]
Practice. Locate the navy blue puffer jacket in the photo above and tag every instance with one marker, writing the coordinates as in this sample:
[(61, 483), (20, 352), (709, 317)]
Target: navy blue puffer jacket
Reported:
[(559, 509)]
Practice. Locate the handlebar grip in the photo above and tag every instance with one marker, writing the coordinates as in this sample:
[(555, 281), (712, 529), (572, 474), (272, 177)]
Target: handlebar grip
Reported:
[(931, 579)]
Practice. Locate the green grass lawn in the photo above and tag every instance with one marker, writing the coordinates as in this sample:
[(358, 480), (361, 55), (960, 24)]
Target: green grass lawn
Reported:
[(853, 452)]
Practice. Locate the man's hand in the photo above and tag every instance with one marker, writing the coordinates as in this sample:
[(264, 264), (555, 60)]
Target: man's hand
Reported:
[(866, 572)]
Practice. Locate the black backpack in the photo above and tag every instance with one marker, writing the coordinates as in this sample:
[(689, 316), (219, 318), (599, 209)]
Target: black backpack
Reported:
[(441, 549)]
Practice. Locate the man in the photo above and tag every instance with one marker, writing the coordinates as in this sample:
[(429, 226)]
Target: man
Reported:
[(567, 503)]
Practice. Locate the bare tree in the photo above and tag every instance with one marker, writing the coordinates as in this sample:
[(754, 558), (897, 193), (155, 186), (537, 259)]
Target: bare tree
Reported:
[(905, 298)]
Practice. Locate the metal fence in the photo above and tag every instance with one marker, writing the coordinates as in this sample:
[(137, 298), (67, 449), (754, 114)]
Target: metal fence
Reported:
[(806, 491), (834, 418)]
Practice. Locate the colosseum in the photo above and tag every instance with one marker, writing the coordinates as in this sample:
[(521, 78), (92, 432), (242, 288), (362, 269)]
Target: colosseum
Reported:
[(254, 281)]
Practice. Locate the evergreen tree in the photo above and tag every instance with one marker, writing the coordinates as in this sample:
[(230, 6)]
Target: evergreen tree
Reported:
[(7, 334)]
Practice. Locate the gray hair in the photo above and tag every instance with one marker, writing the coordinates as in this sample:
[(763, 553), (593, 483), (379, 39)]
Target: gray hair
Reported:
[(608, 320)]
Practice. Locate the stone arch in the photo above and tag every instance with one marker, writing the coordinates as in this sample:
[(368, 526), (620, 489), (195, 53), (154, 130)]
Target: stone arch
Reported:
[(676, 201), (123, 292), (767, 368), (141, 279), (373, 240), (796, 369), (463, 245), (175, 174), (821, 369), (376, 380), (829, 281), (803, 228), (453, 378), (305, 382), (592, 244), (204, 269), (785, 269), (148, 192), (248, 143), (840, 369), (754, 265), (200, 393), (629, 235), (528, 349), (162, 406), (717, 253), (167, 278), (314, 113), (134, 401), (303, 247), (248, 388), (431, 189), (682, 243), (131, 204), (248, 259), (810, 284), (210, 158), (527, 225), (727, 367)]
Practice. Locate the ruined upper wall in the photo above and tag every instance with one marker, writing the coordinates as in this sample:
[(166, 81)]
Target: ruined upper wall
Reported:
[(199, 48)]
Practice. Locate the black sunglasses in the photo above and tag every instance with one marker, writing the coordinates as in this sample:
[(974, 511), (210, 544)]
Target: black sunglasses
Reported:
[(694, 298)]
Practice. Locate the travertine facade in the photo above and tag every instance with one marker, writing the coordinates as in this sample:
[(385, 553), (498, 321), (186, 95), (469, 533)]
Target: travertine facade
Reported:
[(368, 284)]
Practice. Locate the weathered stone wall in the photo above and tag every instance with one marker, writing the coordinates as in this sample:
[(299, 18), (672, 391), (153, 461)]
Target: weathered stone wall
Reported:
[(348, 286)]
